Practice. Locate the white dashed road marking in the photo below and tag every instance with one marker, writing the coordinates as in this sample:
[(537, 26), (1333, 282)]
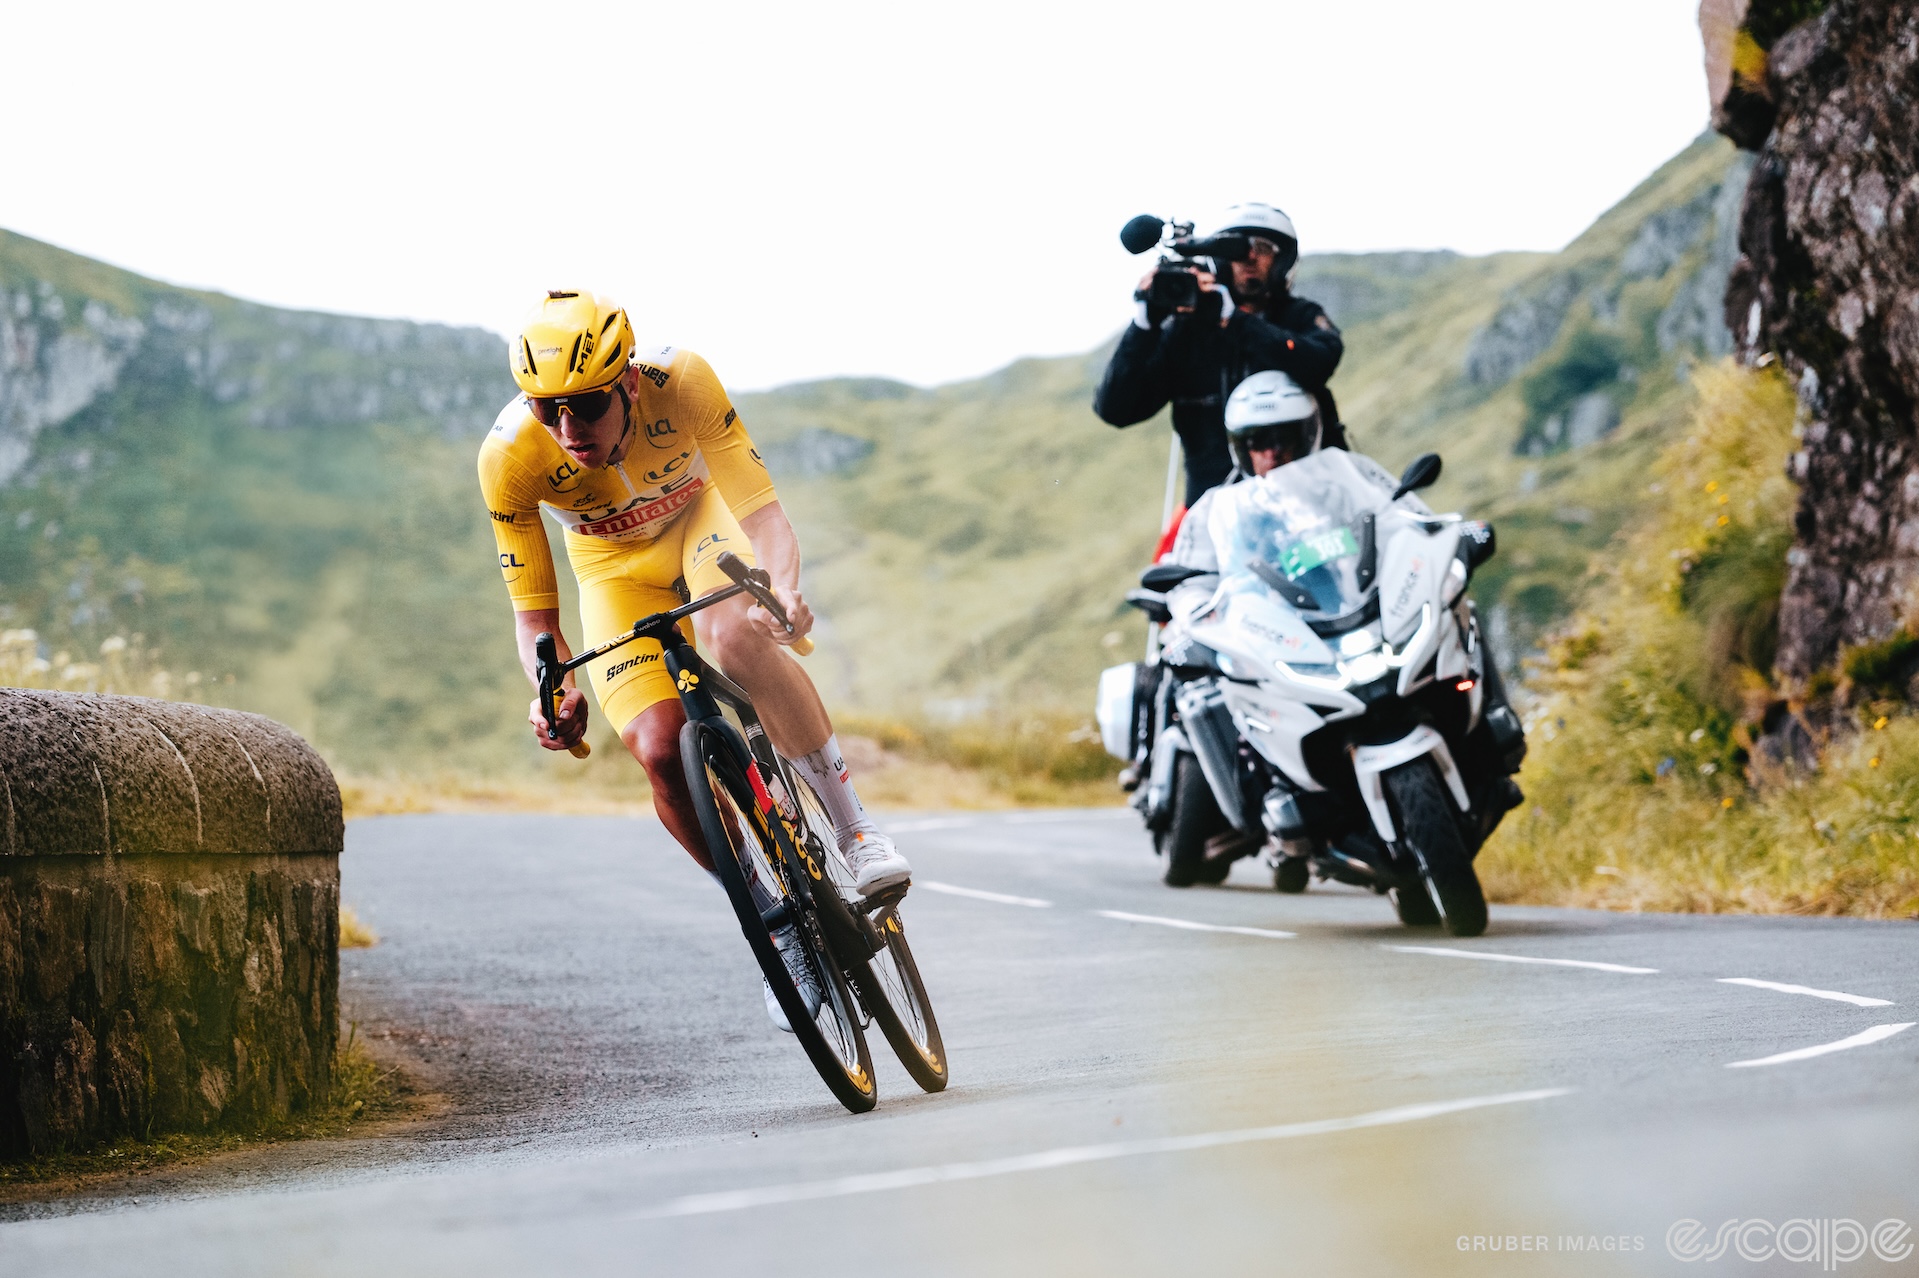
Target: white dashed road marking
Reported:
[(1191, 926), (772, 1195), (1873, 1035), (1521, 958), (1857, 1000), (1001, 898)]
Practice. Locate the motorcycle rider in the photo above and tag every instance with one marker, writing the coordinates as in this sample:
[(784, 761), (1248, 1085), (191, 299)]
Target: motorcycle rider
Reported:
[(1247, 321), (1270, 421)]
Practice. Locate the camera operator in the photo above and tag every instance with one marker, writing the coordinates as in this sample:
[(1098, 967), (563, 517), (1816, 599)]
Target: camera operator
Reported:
[(1194, 356)]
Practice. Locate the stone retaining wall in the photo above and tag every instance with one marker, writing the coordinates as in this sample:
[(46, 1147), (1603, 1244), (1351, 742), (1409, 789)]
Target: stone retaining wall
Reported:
[(169, 919)]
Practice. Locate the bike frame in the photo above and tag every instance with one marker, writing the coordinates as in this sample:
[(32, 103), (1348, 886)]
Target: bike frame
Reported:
[(702, 691)]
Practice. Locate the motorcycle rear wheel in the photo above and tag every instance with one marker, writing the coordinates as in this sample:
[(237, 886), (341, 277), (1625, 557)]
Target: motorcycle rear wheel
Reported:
[(1424, 810)]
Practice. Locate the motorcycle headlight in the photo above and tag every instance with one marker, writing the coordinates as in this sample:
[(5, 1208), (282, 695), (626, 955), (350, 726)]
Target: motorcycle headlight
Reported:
[(1365, 669), (1315, 674), (1413, 640)]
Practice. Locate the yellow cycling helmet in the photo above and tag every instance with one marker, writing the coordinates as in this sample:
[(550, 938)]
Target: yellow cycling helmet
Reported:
[(572, 342)]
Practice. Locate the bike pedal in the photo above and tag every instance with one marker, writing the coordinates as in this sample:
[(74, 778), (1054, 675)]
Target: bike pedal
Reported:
[(884, 897)]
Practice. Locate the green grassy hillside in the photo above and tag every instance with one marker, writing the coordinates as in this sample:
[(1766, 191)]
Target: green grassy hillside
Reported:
[(281, 506), (973, 543)]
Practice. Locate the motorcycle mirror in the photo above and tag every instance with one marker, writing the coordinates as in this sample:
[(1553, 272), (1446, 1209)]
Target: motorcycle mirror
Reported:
[(1141, 233), (1421, 474)]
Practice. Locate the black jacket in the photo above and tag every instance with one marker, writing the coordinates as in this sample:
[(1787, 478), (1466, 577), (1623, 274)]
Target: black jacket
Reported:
[(1196, 364)]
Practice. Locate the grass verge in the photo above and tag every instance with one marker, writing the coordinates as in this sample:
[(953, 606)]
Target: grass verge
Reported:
[(1648, 786), (1043, 758), (364, 1090)]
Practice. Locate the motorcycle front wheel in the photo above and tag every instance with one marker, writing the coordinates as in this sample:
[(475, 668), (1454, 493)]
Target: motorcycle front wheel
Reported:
[(1195, 818), (1424, 811)]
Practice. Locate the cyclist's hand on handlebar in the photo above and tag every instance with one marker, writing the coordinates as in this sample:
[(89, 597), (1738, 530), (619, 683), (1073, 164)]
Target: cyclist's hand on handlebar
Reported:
[(797, 613), (569, 721)]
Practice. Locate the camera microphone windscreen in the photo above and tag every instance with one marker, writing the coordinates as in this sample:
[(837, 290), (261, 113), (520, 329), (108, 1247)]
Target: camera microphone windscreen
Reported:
[(1141, 233)]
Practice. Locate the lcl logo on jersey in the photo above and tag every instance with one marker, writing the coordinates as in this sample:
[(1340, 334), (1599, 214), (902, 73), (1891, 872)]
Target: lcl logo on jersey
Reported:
[(565, 478), (658, 433), (666, 471)]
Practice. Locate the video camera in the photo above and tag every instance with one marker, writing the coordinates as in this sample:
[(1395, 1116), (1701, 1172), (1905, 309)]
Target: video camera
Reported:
[(1176, 283)]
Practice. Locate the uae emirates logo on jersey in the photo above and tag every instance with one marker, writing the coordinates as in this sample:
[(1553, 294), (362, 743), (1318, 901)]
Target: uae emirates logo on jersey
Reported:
[(640, 516)]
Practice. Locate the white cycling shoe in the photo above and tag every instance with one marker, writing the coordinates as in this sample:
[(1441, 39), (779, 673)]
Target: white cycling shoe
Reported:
[(787, 941), (875, 862)]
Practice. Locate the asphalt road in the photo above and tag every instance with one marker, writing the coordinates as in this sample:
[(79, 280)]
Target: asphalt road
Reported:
[(1145, 1081)]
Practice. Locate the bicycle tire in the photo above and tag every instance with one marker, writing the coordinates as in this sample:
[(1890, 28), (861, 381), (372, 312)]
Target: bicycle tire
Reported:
[(735, 837), (888, 979)]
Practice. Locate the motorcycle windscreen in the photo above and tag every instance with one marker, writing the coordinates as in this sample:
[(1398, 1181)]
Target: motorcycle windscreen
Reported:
[(1302, 520)]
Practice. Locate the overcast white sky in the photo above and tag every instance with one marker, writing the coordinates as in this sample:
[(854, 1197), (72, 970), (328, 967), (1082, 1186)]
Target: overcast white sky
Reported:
[(920, 190)]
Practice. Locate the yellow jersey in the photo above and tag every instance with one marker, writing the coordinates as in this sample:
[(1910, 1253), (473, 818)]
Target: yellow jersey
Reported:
[(686, 439)]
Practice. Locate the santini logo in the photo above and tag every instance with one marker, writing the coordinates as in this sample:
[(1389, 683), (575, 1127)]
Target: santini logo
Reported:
[(615, 672), (1826, 1243)]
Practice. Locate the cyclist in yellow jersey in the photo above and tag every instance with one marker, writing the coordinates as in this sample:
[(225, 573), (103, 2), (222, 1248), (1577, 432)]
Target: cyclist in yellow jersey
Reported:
[(643, 461)]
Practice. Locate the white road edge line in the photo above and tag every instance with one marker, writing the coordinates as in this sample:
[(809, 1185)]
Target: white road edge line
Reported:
[(1521, 958), (1048, 818), (932, 823), (1873, 1035), (1857, 1000), (1191, 926), (911, 1177), (1001, 898)]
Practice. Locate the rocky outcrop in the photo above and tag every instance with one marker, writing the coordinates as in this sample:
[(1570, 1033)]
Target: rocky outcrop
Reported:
[(61, 350), (815, 451), (1828, 283), (169, 915)]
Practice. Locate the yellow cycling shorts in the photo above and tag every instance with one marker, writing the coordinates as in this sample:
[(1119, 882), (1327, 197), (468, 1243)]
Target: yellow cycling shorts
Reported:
[(619, 584)]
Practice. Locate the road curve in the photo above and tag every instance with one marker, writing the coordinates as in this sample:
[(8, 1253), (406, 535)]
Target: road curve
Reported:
[(1145, 1080)]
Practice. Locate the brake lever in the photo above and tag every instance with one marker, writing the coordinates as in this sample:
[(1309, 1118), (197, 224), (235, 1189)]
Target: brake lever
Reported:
[(758, 583), (546, 660)]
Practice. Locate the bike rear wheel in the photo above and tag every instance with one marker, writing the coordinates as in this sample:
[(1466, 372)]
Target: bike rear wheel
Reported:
[(743, 847), (888, 980)]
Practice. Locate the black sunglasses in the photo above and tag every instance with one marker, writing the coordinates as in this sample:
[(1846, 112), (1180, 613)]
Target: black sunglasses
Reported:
[(587, 406)]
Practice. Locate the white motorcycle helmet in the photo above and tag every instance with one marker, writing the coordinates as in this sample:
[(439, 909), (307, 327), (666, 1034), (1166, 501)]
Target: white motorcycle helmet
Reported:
[(1268, 223), (1269, 411)]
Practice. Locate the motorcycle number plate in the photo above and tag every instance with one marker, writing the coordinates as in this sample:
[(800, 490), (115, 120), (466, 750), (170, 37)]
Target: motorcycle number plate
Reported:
[(1310, 552)]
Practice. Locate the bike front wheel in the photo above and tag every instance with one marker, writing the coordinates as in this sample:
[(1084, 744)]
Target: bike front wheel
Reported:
[(745, 851), (887, 978)]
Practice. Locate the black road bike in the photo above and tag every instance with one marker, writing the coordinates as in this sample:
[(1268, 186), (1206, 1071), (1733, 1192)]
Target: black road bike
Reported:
[(763, 825)]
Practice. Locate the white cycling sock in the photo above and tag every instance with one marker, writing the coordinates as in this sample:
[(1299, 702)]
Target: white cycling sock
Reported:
[(764, 898), (825, 770)]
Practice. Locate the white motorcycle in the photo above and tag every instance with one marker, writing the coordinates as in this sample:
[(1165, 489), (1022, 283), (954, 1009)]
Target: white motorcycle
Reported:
[(1327, 688)]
